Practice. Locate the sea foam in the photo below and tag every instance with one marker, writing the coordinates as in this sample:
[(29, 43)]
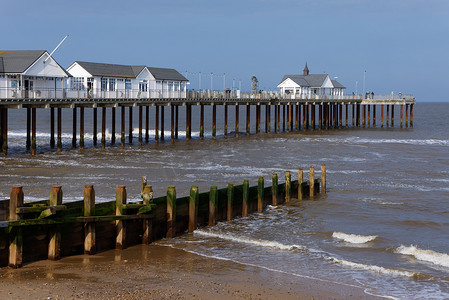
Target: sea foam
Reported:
[(354, 238), (373, 268), (245, 240), (433, 257)]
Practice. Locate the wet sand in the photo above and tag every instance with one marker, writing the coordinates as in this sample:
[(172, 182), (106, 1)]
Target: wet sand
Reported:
[(158, 272)]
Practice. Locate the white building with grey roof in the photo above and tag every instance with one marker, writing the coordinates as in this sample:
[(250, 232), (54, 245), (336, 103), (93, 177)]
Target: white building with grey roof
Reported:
[(99, 80), (307, 85), (30, 74)]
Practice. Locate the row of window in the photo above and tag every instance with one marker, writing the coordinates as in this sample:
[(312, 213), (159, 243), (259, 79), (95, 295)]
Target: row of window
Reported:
[(110, 84)]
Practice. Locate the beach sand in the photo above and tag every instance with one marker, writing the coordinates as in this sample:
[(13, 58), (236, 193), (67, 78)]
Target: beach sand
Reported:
[(159, 272)]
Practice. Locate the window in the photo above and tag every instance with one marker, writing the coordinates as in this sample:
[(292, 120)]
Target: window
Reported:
[(119, 80), (77, 83), (176, 85), (14, 83), (104, 84), (12, 76), (183, 86), (128, 84), (143, 85), (170, 85), (112, 84)]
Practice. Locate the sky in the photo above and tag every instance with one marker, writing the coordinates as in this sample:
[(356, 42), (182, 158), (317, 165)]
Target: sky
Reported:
[(390, 45)]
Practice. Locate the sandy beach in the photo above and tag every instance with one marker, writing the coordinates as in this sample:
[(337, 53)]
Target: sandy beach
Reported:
[(158, 272)]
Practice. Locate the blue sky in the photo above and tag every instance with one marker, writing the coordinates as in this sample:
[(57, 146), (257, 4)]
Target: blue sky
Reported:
[(402, 44)]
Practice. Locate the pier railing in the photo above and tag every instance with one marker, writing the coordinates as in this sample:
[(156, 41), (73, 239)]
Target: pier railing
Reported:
[(15, 94)]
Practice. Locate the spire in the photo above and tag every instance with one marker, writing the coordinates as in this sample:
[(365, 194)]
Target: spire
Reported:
[(306, 70)]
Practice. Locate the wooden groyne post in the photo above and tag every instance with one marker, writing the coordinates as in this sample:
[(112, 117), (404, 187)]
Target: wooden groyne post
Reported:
[(89, 227)]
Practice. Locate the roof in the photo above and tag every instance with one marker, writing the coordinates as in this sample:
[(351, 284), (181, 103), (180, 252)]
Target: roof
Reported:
[(337, 84), (17, 61), (111, 70), (315, 80), (166, 74)]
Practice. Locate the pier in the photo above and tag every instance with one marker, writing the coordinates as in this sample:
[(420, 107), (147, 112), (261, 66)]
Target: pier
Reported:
[(291, 114), (51, 229)]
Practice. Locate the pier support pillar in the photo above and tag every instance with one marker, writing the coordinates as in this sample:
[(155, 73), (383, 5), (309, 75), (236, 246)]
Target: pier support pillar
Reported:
[(176, 121), (288, 116), (130, 125), (147, 124), (113, 126), (297, 117), (122, 138), (248, 119), (214, 121), (402, 112), (201, 121), (59, 138), (188, 116), (340, 115), (172, 121), (275, 119), (392, 115), (81, 127), (33, 131), (95, 117), (388, 115), (358, 115), (162, 122), (269, 118), (237, 120), (381, 116), (74, 128), (283, 117), (279, 118), (363, 115), (28, 138), (353, 115), (257, 118), (406, 115), (369, 116), (320, 116), (52, 127), (89, 227), (225, 120), (346, 115), (374, 115), (103, 127), (156, 125), (140, 138), (411, 115)]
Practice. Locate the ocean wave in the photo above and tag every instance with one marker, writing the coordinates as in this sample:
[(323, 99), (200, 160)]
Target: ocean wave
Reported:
[(354, 238), (441, 259), (245, 240), (374, 268)]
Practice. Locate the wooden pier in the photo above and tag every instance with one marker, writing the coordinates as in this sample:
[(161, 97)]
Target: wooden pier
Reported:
[(51, 229), (290, 115)]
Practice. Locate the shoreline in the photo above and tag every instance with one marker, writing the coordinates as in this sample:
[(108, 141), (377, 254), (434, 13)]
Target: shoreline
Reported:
[(161, 272)]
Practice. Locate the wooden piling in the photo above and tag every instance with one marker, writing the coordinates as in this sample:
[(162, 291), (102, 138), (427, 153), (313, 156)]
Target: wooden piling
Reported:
[(323, 179), (300, 180), (237, 120), (52, 127), (230, 201), (33, 131), (120, 200), (288, 116), (381, 116), (130, 125), (140, 138), (411, 115), (363, 115), (320, 117), (312, 182), (147, 196), (214, 121), (400, 118), (122, 139), (15, 236), (201, 121), (288, 186), (156, 125), (103, 128), (213, 202), (193, 208), (54, 244), (353, 115), (89, 227), (274, 189), (245, 198), (4, 133), (260, 194), (340, 115), (59, 138), (374, 115), (258, 109), (171, 212), (269, 118), (369, 116), (81, 127), (292, 115), (312, 113), (94, 132), (74, 128), (358, 116), (388, 115), (275, 119), (346, 115), (406, 115), (176, 121)]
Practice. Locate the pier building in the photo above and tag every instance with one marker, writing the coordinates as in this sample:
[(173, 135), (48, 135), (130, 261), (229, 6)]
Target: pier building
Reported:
[(305, 85)]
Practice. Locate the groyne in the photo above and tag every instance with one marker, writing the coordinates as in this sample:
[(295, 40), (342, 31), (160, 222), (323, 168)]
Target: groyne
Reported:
[(51, 229)]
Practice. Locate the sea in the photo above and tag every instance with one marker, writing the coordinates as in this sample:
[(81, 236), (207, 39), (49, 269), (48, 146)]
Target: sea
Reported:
[(383, 224)]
